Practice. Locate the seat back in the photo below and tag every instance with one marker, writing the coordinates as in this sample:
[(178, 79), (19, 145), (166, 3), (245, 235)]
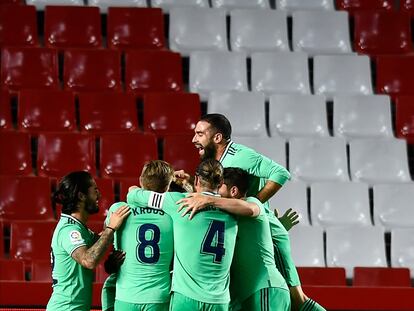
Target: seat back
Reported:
[(11, 270), (378, 277), (307, 246), (404, 118), (6, 122), (299, 5), (103, 5), (320, 276), (180, 152), (402, 248), (239, 4), (18, 159), (41, 271)]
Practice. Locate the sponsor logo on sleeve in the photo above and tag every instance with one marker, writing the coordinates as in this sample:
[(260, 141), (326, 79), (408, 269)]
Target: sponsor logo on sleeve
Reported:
[(75, 237)]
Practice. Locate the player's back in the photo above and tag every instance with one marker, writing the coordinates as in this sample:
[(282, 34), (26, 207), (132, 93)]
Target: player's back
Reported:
[(204, 248), (147, 239)]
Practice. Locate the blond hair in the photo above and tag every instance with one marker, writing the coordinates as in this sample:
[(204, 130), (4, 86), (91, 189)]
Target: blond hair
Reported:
[(157, 175)]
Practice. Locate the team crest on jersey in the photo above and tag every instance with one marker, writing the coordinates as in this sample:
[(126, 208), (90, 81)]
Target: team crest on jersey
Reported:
[(75, 237)]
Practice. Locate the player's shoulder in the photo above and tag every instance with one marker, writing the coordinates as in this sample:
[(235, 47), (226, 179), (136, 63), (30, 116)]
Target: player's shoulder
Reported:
[(259, 204), (114, 207), (68, 224)]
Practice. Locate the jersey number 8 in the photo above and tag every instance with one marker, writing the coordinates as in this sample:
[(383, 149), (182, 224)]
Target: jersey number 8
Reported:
[(148, 236)]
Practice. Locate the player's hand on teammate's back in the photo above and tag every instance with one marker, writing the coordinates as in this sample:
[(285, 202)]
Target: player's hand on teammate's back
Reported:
[(192, 203), (182, 179), (114, 261), (289, 219), (116, 219)]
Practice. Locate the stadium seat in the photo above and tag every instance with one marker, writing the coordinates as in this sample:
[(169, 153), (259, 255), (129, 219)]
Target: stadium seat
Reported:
[(217, 71), (340, 204), (123, 155), (351, 247), (402, 249), (105, 4), (166, 5), (382, 32), (18, 25), (272, 147), (393, 205), (60, 153), (280, 72), (101, 112), (258, 30), (318, 159), (6, 122), (394, 75), (353, 6), (407, 6), (240, 4), (378, 277), (11, 270), (297, 115), (379, 161), (41, 4), (137, 28), (28, 67), (2, 242), (342, 75), (306, 243), (193, 29), (404, 118), (245, 111), (171, 113), (25, 198), (31, 240), (300, 5), (324, 32), (46, 110), (92, 70), (319, 276), (153, 71), (18, 159), (292, 195), (125, 183), (41, 271), (180, 152), (100, 274), (362, 116)]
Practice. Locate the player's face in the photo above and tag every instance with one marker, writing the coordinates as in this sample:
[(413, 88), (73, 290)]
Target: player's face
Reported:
[(92, 198), (203, 140), (224, 191)]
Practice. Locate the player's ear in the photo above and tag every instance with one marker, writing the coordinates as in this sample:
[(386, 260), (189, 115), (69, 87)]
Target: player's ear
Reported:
[(218, 138), (81, 196), (234, 192), (141, 184)]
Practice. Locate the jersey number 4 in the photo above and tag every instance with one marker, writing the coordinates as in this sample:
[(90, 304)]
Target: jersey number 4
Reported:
[(148, 250), (213, 242)]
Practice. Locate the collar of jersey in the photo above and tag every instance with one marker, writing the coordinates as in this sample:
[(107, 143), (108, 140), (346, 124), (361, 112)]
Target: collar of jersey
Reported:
[(74, 219), (225, 151), (210, 193)]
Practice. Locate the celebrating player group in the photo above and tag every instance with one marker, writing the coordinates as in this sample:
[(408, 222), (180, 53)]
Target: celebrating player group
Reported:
[(215, 247)]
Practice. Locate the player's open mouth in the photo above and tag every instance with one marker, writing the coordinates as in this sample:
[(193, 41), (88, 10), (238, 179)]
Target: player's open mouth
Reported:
[(200, 148)]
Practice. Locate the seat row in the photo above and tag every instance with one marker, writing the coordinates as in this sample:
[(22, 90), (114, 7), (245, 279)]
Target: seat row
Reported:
[(348, 204), (351, 247), (193, 29)]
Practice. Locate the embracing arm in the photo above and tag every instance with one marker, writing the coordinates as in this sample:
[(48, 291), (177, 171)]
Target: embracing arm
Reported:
[(268, 190)]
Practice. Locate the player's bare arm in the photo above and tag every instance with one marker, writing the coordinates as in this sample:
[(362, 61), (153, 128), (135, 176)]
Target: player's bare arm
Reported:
[(269, 190), (197, 201), (90, 257), (184, 180)]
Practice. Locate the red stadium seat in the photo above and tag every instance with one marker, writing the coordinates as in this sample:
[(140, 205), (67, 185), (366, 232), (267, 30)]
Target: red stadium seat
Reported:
[(18, 25), (375, 277), (31, 240), (1, 239), (100, 274), (25, 197), (106, 188), (353, 6), (171, 113), (382, 32), (41, 271), (17, 160), (319, 276), (180, 152), (153, 71), (404, 118), (27, 67), (12, 270), (394, 75), (72, 27), (107, 112), (123, 155), (5, 111), (60, 153), (138, 28), (46, 110), (92, 70), (407, 5), (125, 183)]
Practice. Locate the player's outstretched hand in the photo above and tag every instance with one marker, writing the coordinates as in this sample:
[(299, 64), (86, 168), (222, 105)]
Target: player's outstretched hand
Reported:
[(114, 261), (192, 203), (288, 219), (116, 219), (182, 179)]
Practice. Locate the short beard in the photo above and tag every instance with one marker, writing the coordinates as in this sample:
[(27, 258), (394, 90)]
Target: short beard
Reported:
[(91, 208), (210, 152)]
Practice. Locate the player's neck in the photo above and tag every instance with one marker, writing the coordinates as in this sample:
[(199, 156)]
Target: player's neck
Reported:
[(221, 148), (81, 215)]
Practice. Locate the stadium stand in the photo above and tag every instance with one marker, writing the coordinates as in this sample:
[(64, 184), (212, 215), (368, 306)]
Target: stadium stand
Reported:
[(12, 270), (166, 5), (41, 271), (360, 5), (103, 5), (307, 246), (238, 4), (321, 276), (404, 118), (298, 5), (369, 276), (402, 248), (41, 4), (178, 151), (18, 145), (6, 122)]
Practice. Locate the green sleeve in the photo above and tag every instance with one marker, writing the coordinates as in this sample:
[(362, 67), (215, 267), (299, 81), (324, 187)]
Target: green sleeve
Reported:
[(138, 197), (260, 166), (71, 238)]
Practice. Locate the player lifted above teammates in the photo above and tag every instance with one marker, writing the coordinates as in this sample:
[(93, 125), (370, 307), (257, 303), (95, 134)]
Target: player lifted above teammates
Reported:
[(203, 246), (76, 250)]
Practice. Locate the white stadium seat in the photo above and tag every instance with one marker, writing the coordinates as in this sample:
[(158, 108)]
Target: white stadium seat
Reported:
[(307, 246), (40, 4), (402, 249), (298, 115), (301, 5), (240, 4), (166, 5)]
